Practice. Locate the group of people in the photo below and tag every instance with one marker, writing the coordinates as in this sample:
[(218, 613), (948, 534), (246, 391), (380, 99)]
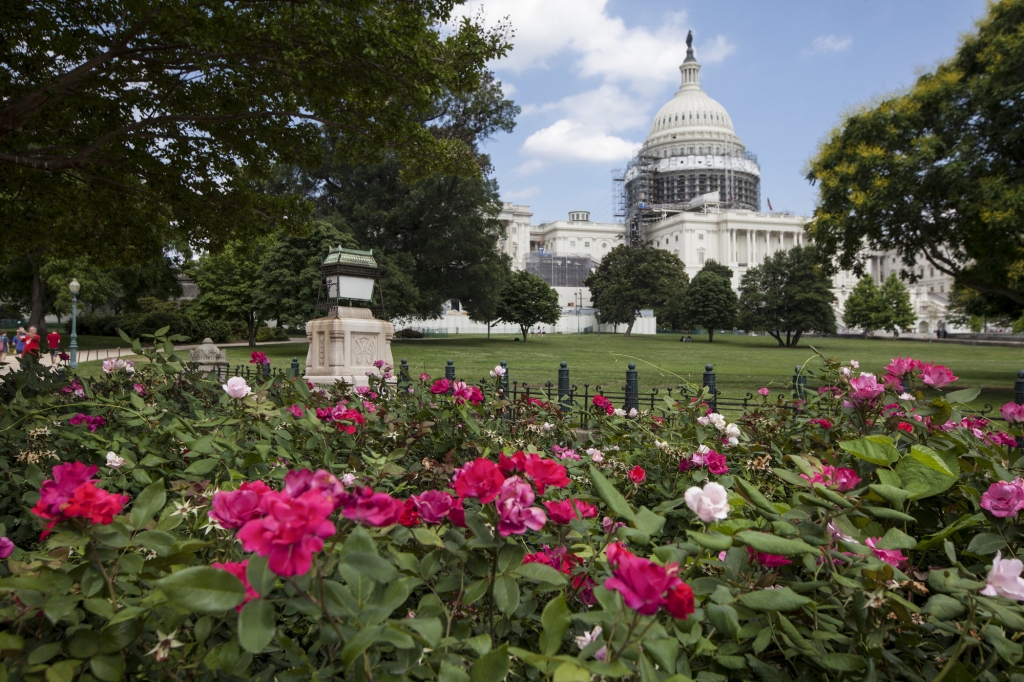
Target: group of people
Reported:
[(25, 343)]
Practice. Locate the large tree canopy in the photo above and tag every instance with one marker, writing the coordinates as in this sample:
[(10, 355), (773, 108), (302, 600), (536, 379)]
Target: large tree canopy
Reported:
[(709, 301), (632, 278), (126, 127), (786, 296), (938, 171), (527, 300)]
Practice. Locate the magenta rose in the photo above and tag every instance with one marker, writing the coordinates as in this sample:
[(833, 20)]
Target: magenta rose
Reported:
[(1004, 498)]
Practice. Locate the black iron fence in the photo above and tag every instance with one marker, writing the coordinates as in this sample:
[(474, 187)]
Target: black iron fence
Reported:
[(251, 371)]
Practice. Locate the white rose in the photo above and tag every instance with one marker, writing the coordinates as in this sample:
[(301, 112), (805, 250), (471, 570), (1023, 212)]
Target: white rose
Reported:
[(620, 413), (237, 388), (906, 396), (632, 412), (113, 461), (732, 431), (708, 504)]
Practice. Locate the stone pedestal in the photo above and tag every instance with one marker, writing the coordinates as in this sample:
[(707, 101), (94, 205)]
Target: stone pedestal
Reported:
[(343, 346), (208, 358)]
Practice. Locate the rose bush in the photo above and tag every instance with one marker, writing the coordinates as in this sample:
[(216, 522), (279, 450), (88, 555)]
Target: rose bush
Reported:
[(434, 531)]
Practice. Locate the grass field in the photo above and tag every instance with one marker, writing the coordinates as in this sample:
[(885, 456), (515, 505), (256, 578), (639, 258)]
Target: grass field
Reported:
[(741, 363)]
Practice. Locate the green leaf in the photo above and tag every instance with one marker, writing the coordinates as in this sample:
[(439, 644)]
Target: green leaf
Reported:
[(985, 543), (555, 621), (359, 643), (891, 494), (61, 671), (612, 497), (845, 663), (259, 575), (963, 396), (725, 619), (202, 467), (450, 673), (506, 594), (648, 522), (888, 514), (944, 607), (930, 459), (923, 481), (203, 446), (778, 599), (149, 502), (372, 566), (894, 538), (750, 491), (256, 625), (875, 449), (426, 536), (965, 521), (203, 589), (1009, 651), (713, 541), (160, 542), (541, 573), (570, 672), (772, 544), (109, 668), (510, 557), (889, 477), (491, 667)]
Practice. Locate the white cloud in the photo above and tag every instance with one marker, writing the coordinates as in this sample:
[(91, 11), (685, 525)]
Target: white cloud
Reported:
[(829, 43), (604, 108), (715, 50), (567, 140), (521, 194), (508, 89), (531, 166)]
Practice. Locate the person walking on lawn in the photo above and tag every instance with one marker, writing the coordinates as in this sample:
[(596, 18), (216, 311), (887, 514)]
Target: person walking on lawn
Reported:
[(5, 345), (19, 341), (31, 344)]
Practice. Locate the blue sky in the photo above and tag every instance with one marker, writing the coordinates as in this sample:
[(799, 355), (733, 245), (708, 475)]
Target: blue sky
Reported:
[(590, 74)]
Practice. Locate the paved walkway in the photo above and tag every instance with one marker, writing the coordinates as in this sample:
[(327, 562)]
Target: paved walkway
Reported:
[(11, 362)]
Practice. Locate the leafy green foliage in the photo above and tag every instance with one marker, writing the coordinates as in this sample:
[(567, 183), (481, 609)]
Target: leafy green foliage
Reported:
[(527, 300), (934, 173), (630, 279), (862, 307), (709, 301), (787, 295), (896, 311)]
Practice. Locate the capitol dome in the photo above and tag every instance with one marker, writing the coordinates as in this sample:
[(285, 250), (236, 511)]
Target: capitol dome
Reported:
[(692, 150)]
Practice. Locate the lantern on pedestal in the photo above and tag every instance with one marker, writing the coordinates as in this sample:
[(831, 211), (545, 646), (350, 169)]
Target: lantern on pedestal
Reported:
[(348, 275), (346, 341)]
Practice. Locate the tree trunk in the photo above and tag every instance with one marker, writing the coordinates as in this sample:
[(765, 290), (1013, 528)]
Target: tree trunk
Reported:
[(629, 327), (796, 339), (788, 336), (777, 337), (40, 301), (488, 330), (252, 329), (711, 334), (523, 329)]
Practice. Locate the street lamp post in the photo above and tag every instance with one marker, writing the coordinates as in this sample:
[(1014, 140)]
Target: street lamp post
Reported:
[(579, 304), (74, 287)]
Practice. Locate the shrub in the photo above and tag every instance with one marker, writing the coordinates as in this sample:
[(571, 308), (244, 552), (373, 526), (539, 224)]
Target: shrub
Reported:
[(436, 531), (183, 319)]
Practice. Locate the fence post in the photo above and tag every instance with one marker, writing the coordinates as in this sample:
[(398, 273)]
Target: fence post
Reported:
[(293, 371), (403, 375), (564, 400), (1018, 388), (266, 371), (709, 383), (632, 389), (504, 381), (449, 374), (802, 383)]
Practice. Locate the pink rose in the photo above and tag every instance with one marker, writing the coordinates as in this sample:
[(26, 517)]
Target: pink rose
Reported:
[(292, 531), (1004, 579), (1012, 412), (763, 392), (1004, 498), (6, 547), (515, 512), (893, 557), (936, 376), (237, 569), (643, 583), (845, 479), (768, 560), (55, 494), (901, 366), (433, 505), (480, 478), (234, 508), (372, 509), (296, 410), (865, 389), (562, 511), (716, 463)]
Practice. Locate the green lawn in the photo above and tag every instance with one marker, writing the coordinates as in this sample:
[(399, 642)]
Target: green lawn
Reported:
[(740, 362)]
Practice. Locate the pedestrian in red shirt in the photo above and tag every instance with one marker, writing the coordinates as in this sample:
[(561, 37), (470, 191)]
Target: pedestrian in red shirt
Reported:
[(53, 341), (32, 343)]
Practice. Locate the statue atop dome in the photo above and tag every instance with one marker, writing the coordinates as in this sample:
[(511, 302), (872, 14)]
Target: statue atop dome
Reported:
[(689, 40)]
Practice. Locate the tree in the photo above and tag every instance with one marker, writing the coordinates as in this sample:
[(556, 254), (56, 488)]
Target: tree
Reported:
[(527, 300), (709, 302), (895, 311), (485, 305), (863, 306), (632, 278), (787, 295), (937, 171), (229, 285), (126, 128), (711, 265)]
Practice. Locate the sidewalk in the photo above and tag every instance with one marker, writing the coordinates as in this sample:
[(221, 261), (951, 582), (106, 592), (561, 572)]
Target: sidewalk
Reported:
[(11, 363)]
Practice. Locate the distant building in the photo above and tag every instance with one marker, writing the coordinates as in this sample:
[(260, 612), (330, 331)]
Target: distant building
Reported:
[(695, 190)]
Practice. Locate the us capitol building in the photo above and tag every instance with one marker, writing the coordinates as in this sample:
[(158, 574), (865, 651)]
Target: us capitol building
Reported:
[(695, 190)]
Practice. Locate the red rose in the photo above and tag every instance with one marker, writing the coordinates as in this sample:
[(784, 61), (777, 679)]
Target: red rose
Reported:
[(410, 515), (546, 472), (679, 601), (481, 479), (637, 475), (562, 512)]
